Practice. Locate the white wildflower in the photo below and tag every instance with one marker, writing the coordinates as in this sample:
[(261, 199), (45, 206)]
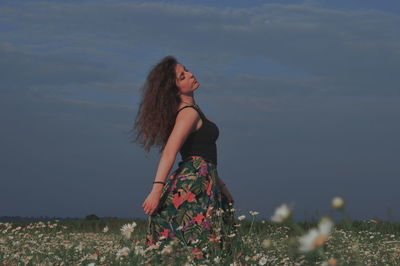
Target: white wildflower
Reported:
[(242, 217), (123, 252), (127, 229), (167, 250), (337, 202), (263, 261), (316, 236), (281, 213), (253, 213), (139, 250)]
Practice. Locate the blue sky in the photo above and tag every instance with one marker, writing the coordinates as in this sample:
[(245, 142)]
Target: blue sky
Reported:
[(305, 94)]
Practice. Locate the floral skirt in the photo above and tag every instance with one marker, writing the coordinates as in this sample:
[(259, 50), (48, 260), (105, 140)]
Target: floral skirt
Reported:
[(192, 208)]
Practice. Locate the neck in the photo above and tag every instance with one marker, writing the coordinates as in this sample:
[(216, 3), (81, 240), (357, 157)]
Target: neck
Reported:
[(187, 100)]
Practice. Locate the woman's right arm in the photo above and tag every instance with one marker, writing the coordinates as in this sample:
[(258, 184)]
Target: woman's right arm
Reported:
[(185, 123)]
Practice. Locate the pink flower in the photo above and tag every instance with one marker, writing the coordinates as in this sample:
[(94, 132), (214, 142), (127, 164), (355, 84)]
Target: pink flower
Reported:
[(178, 200), (198, 218), (165, 233), (190, 196)]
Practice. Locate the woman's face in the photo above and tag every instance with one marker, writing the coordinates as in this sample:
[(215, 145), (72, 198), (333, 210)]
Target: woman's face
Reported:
[(185, 80)]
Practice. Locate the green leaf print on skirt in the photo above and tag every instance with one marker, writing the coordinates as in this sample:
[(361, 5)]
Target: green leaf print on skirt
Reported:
[(192, 208)]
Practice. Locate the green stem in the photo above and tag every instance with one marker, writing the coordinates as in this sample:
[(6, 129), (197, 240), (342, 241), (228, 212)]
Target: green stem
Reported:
[(251, 226), (297, 228), (347, 221)]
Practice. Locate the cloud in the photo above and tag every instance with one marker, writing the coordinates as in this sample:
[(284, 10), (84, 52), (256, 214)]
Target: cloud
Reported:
[(352, 51), (90, 103), (19, 67)]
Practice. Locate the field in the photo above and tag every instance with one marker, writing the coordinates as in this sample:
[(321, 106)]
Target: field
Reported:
[(276, 241)]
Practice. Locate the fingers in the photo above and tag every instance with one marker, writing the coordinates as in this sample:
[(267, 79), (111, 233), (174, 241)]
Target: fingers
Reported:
[(147, 209)]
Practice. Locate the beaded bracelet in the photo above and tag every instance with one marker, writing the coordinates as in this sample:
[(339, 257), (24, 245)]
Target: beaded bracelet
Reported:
[(158, 182)]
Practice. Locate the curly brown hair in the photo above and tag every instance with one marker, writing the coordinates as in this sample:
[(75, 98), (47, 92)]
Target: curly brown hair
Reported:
[(160, 101)]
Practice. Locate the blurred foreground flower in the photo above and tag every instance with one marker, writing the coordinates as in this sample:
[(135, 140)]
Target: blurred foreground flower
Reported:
[(330, 262), (266, 243), (316, 236), (127, 229), (281, 213), (123, 252), (337, 202), (253, 213), (241, 217)]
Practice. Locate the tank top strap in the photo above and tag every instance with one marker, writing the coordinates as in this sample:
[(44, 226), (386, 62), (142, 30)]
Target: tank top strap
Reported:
[(196, 108)]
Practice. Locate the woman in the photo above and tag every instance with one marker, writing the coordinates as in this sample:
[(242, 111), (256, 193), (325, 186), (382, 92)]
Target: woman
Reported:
[(192, 204)]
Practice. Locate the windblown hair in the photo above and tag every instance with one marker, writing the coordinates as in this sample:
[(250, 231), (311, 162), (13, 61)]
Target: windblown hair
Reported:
[(157, 110)]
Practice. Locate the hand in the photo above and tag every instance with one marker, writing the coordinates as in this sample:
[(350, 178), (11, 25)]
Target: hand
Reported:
[(150, 204), (227, 194)]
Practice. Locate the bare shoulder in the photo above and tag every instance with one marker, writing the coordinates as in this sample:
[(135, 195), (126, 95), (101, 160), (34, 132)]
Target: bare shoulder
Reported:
[(187, 115)]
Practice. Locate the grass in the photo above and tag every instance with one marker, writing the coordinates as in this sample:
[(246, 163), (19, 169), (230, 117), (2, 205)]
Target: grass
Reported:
[(83, 242)]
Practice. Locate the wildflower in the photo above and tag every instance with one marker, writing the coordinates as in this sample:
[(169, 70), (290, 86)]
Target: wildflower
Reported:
[(94, 255), (281, 213), (266, 243), (316, 236), (167, 250), (123, 252), (105, 229), (263, 261), (219, 212), (79, 247), (127, 229), (139, 250), (332, 262), (337, 202), (217, 259), (242, 217), (253, 213)]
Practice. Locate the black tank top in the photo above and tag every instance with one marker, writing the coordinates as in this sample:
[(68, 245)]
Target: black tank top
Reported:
[(201, 142)]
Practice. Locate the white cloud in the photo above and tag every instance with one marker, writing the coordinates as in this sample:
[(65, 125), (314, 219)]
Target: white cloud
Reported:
[(352, 51)]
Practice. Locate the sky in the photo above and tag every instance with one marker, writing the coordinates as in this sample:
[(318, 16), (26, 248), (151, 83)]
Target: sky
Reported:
[(304, 93)]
